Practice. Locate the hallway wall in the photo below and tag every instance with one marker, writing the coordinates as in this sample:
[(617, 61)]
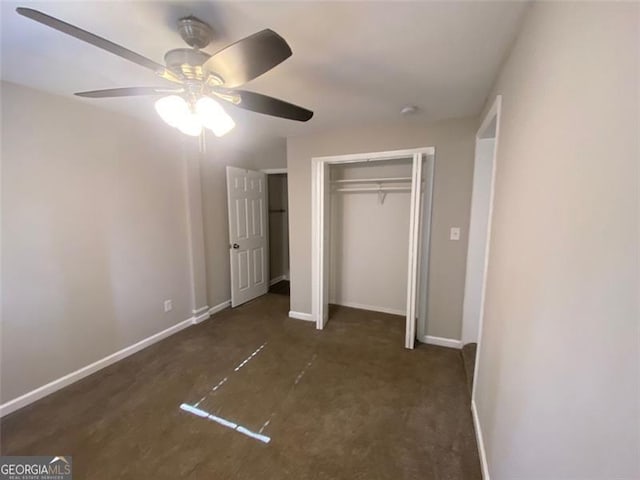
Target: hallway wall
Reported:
[(558, 390)]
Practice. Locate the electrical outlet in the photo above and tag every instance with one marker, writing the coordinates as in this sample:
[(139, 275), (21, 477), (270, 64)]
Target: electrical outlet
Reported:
[(168, 305), (454, 233)]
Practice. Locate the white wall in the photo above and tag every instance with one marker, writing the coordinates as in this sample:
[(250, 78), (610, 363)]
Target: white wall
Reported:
[(454, 142), (103, 218), (94, 235), (369, 243), (478, 225), (558, 389), (271, 155)]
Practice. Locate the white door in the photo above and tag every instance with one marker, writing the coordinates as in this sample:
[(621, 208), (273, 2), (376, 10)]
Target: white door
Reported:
[(414, 251), (248, 235)]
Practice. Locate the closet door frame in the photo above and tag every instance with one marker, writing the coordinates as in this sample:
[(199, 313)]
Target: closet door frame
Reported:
[(320, 233)]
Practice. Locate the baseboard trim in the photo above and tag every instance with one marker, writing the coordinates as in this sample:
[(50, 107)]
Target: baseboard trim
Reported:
[(372, 308), (200, 310), (300, 316), (286, 276), (220, 307), (40, 392), (441, 341), (273, 281), (479, 439), (201, 318)]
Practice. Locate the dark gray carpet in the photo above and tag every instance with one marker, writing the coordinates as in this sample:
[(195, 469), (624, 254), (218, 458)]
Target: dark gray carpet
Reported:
[(280, 288), (345, 403), (469, 360)]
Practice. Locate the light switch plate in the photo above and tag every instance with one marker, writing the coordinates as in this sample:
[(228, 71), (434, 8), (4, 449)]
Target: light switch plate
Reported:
[(454, 233), (168, 305)]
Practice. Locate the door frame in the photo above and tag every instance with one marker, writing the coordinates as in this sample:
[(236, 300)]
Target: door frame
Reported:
[(494, 113), (320, 230)]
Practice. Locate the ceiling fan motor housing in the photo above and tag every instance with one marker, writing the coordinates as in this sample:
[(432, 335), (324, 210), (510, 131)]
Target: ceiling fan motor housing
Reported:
[(195, 32), (187, 63)]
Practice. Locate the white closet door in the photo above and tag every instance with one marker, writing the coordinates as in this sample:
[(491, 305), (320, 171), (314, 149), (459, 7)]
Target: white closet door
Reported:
[(425, 247), (248, 236), (414, 242)]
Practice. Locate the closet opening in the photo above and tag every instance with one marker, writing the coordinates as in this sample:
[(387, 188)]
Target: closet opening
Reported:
[(372, 206), (278, 211)]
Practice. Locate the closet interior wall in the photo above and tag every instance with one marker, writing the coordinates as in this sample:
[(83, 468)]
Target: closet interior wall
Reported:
[(369, 235)]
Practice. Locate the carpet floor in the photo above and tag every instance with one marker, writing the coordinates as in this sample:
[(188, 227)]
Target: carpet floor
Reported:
[(281, 288), (468, 353), (348, 402)]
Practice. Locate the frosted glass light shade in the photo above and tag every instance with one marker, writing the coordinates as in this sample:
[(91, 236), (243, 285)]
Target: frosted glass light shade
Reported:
[(172, 109), (213, 116), (175, 110), (190, 124)]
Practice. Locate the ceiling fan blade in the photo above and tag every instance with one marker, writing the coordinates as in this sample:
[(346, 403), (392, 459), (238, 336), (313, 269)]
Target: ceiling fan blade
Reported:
[(248, 58), (97, 41), (129, 92), (256, 102)]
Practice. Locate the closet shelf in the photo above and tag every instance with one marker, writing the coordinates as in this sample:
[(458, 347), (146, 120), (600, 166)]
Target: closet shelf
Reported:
[(380, 189), (360, 185), (373, 180)]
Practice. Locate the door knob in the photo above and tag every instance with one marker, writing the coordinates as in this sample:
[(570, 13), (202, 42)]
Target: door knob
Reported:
[(236, 246)]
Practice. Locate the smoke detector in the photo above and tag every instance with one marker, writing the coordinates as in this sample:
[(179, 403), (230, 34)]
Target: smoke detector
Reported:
[(409, 110)]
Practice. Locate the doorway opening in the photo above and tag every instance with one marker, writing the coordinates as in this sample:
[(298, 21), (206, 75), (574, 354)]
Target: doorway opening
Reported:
[(277, 187), (257, 203), (479, 237)]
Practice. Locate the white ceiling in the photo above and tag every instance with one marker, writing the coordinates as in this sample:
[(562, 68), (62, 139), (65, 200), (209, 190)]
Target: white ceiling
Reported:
[(353, 62)]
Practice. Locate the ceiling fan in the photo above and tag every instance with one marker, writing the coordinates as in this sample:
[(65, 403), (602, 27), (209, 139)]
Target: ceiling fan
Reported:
[(200, 78)]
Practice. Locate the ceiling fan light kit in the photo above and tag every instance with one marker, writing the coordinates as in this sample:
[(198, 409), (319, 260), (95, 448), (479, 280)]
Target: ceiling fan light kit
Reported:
[(197, 77), (213, 116), (191, 118)]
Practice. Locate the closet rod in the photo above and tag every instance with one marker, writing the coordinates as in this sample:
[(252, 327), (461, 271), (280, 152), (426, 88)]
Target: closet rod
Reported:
[(372, 189), (373, 180)]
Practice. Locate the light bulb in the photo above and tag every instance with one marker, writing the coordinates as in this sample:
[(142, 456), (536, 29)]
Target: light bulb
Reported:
[(213, 116), (172, 109), (190, 124)]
